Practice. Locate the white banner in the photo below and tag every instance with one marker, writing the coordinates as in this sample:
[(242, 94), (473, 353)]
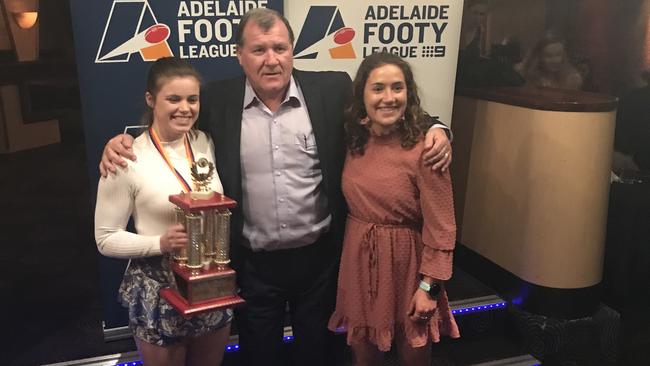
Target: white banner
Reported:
[(338, 34)]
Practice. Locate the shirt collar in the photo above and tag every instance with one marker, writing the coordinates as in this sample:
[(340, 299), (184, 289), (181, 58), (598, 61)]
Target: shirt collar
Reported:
[(294, 96)]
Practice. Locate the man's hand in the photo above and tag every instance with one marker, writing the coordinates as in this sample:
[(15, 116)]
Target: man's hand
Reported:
[(437, 149), (117, 148)]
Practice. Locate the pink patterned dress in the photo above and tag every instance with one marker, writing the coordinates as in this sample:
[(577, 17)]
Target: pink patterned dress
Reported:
[(401, 225)]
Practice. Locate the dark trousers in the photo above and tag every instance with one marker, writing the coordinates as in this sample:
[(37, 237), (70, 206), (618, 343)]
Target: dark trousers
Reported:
[(304, 278)]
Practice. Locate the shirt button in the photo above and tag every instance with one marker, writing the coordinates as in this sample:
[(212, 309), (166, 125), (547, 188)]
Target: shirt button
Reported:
[(284, 226), (276, 147), (281, 199), (278, 174)]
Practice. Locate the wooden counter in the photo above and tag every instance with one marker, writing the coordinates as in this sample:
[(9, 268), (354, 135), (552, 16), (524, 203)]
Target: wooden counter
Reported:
[(531, 177)]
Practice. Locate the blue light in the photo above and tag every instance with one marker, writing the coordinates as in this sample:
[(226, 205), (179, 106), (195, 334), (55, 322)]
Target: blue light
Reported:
[(233, 347), (479, 308)]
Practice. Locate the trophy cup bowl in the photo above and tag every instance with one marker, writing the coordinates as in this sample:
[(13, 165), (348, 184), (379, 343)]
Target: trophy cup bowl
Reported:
[(204, 280)]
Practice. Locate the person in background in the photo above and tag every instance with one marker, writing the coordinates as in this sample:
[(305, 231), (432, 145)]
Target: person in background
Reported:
[(473, 35), (140, 191), (478, 64), (547, 65), (400, 232)]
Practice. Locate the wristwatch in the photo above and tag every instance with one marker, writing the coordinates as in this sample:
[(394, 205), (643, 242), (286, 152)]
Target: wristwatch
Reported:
[(432, 289)]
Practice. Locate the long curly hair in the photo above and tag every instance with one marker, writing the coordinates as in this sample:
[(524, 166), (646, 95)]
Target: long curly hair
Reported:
[(410, 128)]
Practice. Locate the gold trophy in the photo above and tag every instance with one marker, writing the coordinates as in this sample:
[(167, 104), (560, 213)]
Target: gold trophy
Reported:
[(204, 280)]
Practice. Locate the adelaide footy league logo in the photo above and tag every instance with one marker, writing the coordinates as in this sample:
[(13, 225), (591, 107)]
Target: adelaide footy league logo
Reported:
[(325, 32), (132, 27)]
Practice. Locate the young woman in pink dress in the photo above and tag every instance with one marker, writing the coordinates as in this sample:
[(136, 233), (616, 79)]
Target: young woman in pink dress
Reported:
[(400, 232)]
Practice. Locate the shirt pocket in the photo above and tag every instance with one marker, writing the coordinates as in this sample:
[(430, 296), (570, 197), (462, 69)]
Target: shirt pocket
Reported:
[(306, 142), (305, 159)]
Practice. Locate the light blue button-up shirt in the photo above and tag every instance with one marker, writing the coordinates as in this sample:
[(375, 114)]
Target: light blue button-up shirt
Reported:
[(283, 203)]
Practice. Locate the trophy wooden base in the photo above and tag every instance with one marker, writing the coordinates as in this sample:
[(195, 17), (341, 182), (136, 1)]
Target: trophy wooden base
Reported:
[(202, 290), (198, 285), (188, 310)]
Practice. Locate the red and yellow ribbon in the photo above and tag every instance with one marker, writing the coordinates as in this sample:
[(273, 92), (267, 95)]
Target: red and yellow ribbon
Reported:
[(188, 153)]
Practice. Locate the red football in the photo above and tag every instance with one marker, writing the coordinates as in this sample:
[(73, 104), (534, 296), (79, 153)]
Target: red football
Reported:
[(343, 35), (156, 33)]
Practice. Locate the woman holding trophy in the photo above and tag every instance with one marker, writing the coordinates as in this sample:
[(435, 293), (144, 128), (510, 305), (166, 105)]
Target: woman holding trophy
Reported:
[(166, 152)]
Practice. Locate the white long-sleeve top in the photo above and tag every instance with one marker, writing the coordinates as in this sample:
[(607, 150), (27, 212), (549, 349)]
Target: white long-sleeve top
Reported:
[(142, 190)]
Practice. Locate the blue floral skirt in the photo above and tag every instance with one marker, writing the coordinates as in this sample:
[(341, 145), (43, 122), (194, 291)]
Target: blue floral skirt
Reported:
[(151, 318)]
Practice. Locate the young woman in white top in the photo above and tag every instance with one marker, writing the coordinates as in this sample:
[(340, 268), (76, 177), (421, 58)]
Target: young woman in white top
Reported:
[(140, 191)]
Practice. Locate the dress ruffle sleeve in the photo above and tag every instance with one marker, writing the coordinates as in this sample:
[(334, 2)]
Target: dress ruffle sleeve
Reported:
[(439, 224)]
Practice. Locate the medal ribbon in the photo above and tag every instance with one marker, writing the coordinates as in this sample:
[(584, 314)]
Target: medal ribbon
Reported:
[(189, 154)]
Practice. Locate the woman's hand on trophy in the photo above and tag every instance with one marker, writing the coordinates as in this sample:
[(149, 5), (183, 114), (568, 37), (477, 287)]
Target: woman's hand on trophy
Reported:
[(175, 238)]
